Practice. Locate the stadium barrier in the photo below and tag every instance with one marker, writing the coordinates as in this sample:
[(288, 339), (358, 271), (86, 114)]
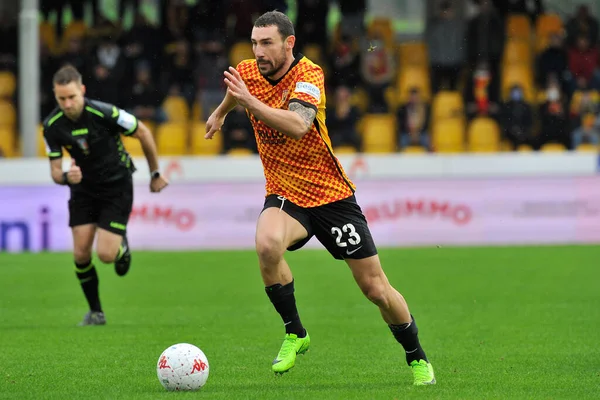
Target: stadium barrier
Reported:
[(417, 200)]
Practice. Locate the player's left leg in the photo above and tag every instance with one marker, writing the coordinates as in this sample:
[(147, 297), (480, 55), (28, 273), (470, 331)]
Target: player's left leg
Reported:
[(113, 248), (373, 282), (342, 228)]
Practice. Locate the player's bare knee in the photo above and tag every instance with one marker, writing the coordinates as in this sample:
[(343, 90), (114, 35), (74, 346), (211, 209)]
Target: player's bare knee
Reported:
[(107, 255), (82, 255), (377, 293), (270, 249)]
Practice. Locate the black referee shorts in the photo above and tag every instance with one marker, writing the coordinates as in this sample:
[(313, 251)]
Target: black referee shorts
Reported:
[(108, 208), (341, 226)]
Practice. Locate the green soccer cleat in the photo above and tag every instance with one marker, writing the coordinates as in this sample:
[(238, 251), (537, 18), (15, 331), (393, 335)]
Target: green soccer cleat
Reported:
[(423, 373), (292, 345)]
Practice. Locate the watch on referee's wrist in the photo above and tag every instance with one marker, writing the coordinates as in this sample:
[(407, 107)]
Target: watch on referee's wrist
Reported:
[(155, 174)]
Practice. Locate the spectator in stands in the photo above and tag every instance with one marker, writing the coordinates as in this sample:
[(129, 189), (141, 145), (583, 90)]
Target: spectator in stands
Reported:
[(210, 64), (554, 61), (9, 44), (146, 98), (582, 24), (353, 17), (377, 71), (533, 8), (482, 92), (110, 67), (175, 17), (243, 13), (554, 117), (583, 62), (584, 101), (413, 121), (345, 63), (342, 120), (179, 74), (311, 23), (143, 42), (445, 38), (75, 54), (237, 131), (485, 39), (517, 118), (208, 20), (587, 133)]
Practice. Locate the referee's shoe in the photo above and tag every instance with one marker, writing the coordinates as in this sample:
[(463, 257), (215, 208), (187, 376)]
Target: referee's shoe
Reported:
[(123, 261)]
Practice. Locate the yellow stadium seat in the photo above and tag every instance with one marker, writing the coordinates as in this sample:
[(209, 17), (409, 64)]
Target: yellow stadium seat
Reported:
[(344, 150), (517, 52), (239, 152), (449, 137), (8, 84), (546, 25), (201, 146), (410, 77), (8, 114), (197, 114), (171, 138), (483, 136), (360, 99), (382, 27), (447, 104), (524, 148), (240, 51), (8, 141), (587, 148), (518, 27), (379, 135), (553, 148), (48, 36), (176, 108), (414, 150), (578, 96), (133, 146), (413, 53), (521, 75)]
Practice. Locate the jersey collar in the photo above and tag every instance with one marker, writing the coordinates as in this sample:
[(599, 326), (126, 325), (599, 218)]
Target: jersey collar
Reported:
[(296, 61)]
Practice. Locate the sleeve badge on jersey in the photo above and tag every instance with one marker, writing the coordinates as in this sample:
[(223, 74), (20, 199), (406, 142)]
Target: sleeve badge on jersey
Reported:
[(126, 120), (309, 89)]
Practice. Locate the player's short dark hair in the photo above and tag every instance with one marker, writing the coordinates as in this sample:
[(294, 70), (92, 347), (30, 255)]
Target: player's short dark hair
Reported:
[(66, 75), (278, 19)]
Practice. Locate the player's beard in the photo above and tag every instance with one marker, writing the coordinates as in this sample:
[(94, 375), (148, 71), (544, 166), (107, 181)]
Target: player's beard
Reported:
[(272, 67)]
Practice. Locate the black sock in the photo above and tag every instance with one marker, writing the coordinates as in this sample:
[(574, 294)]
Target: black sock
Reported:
[(88, 278), (408, 336), (282, 297)]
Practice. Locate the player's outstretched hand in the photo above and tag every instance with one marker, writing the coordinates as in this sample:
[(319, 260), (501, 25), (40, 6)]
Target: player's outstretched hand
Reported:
[(213, 125), (74, 173), (237, 88), (158, 184)]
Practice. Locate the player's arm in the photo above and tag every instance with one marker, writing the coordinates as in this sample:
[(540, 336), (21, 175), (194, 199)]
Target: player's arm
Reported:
[(217, 118), (294, 122)]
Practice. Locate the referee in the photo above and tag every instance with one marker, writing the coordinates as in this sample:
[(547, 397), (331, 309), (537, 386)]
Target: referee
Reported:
[(100, 178)]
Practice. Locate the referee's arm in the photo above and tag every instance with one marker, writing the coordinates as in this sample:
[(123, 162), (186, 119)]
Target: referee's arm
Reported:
[(144, 135)]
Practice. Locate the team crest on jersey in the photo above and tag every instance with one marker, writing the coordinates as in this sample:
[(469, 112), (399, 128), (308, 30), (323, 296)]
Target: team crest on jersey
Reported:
[(83, 145), (284, 95)]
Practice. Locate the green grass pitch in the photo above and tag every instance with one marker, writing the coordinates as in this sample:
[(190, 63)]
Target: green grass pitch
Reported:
[(497, 323)]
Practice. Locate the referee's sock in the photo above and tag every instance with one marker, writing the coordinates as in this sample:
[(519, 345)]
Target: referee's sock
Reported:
[(88, 278)]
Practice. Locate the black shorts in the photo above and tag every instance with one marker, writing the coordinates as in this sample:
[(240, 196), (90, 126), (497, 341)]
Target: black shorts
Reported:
[(108, 208), (340, 226)]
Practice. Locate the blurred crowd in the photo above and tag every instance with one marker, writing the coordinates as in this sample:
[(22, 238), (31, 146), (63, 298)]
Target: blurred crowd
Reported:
[(531, 77)]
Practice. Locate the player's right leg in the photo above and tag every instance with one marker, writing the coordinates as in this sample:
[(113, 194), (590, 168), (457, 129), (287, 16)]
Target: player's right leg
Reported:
[(83, 240), (276, 231)]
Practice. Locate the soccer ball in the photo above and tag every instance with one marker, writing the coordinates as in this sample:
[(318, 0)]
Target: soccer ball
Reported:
[(182, 367)]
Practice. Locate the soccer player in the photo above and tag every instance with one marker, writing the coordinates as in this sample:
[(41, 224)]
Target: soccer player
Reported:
[(100, 178), (308, 192)]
